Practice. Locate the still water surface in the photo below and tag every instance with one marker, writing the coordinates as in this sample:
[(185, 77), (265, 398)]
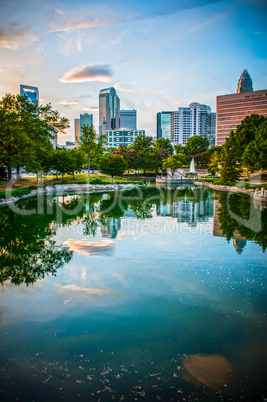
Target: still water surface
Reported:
[(154, 297)]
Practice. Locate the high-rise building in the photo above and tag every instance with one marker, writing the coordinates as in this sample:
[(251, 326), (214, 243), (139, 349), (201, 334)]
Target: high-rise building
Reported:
[(109, 110), (232, 109), (244, 83), (189, 121), (212, 129), (164, 125), (31, 93), (122, 137), (86, 119), (77, 131), (128, 119)]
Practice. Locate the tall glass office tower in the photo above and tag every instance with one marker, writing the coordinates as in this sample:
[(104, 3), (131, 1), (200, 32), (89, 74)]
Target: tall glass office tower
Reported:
[(109, 110), (164, 125), (86, 119), (31, 93), (128, 119)]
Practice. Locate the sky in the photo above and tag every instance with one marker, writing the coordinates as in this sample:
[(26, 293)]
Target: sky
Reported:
[(158, 54)]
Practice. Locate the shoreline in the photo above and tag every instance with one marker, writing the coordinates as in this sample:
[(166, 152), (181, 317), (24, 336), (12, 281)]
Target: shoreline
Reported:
[(65, 189), (232, 189)]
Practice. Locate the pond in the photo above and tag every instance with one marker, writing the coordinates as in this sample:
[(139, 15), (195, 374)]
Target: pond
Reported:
[(150, 294)]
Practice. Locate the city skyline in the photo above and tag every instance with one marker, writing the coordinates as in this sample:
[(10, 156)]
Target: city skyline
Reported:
[(156, 57)]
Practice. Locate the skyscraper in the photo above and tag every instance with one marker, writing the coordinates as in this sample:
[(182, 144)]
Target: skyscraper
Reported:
[(232, 109), (244, 83), (31, 93), (77, 131), (109, 110), (212, 129), (86, 119), (164, 125), (128, 119), (189, 121)]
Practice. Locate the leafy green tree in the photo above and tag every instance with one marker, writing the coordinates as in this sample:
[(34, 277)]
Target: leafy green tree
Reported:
[(12, 137), (196, 145), (77, 158), (61, 161), (41, 159), (179, 149), (174, 162), (130, 155), (246, 132), (25, 130), (255, 155), (157, 158), (143, 143), (230, 169), (91, 143), (213, 166), (211, 150), (164, 143), (114, 165)]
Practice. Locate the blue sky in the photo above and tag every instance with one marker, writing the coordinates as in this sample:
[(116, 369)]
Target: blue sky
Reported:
[(158, 55)]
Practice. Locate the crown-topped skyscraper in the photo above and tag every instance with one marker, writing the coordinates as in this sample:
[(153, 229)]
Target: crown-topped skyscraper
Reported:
[(232, 109), (244, 83)]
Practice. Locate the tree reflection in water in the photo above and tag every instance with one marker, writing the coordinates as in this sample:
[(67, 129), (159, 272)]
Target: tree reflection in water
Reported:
[(242, 206), (28, 251)]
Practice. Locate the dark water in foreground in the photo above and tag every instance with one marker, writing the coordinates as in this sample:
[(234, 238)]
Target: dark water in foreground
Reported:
[(154, 297)]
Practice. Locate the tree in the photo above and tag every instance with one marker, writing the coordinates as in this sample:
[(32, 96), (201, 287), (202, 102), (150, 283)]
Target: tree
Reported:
[(179, 149), (164, 143), (196, 145), (213, 166), (255, 155), (60, 161), (246, 132), (216, 148), (25, 130), (91, 143), (157, 158), (230, 169), (129, 155), (143, 143), (12, 137), (174, 162), (114, 165), (77, 158)]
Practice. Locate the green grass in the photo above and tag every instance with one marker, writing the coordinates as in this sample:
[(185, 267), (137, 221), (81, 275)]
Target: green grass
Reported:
[(17, 193), (24, 186)]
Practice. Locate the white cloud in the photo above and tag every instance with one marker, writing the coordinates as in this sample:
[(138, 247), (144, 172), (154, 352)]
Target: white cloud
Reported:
[(91, 108), (68, 102), (88, 73)]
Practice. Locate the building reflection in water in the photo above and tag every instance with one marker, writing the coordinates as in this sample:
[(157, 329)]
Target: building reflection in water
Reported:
[(111, 227), (187, 211)]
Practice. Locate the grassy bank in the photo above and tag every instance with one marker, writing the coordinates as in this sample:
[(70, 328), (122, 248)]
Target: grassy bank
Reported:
[(26, 185)]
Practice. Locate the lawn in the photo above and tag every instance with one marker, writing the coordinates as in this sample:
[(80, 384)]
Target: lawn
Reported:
[(25, 185)]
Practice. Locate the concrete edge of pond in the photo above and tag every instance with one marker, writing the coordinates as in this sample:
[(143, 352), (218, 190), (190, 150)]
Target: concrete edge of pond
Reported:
[(259, 195), (64, 189)]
